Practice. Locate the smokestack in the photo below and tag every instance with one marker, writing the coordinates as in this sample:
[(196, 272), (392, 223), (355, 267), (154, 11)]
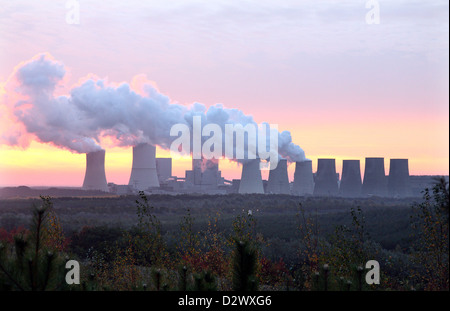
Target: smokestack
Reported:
[(351, 179), (374, 177), (143, 171), (95, 177), (398, 180), (303, 178), (251, 180), (278, 179), (326, 182)]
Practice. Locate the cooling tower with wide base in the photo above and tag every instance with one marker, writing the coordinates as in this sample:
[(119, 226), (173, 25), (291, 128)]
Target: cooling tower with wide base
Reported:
[(351, 183), (95, 177), (143, 170), (278, 182), (398, 180), (326, 182), (251, 180), (374, 182), (303, 178)]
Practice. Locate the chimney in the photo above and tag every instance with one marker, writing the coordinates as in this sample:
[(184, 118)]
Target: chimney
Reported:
[(374, 182), (251, 180), (95, 177), (351, 183), (303, 178), (326, 182), (143, 171), (398, 180), (278, 179)]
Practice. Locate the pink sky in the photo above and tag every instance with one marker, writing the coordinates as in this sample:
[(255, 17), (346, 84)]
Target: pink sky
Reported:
[(345, 89)]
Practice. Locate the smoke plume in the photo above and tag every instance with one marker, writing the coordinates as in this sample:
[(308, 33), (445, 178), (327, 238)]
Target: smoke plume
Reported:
[(94, 109)]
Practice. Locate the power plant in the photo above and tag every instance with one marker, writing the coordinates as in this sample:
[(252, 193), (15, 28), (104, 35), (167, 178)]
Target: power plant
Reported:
[(278, 182), (143, 171), (154, 175), (350, 185), (374, 182), (95, 177), (251, 180), (204, 177), (398, 181), (326, 180), (303, 178)]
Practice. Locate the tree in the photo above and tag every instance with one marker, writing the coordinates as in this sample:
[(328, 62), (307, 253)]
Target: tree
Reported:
[(33, 261), (244, 267), (430, 225)]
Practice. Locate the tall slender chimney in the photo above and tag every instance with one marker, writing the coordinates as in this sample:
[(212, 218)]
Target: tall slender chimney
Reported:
[(326, 181), (95, 177), (351, 183), (374, 182), (278, 182), (143, 171), (303, 178), (398, 180), (251, 180)]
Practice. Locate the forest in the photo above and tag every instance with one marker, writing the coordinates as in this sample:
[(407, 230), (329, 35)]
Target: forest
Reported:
[(225, 242)]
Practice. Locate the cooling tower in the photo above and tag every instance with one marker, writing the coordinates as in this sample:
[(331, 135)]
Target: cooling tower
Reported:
[(374, 182), (95, 178), (398, 180), (326, 182), (251, 180), (278, 179), (143, 171), (303, 178), (351, 184)]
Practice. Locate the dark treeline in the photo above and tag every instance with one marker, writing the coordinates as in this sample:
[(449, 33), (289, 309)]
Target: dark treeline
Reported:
[(197, 242)]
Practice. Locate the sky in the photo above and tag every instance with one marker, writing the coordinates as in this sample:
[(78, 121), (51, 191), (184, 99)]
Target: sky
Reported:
[(344, 88)]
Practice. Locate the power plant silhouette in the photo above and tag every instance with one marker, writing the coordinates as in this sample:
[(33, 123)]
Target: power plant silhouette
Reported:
[(251, 180), (326, 180), (154, 175), (303, 178), (95, 177), (375, 182), (278, 182), (351, 183), (143, 170)]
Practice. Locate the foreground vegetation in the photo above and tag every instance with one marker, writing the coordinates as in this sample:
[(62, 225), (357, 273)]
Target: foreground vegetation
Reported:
[(318, 245)]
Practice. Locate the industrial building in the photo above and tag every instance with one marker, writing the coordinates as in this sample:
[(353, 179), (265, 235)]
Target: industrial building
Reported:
[(251, 180), (303, 178), (163, 169), (350, 185), (326, 180), (143, 171), (154, 175), (374, 182), (399, 184), (278, 182), (95, 177)]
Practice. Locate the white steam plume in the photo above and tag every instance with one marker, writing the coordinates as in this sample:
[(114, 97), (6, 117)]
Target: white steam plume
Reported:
[(94, 109)]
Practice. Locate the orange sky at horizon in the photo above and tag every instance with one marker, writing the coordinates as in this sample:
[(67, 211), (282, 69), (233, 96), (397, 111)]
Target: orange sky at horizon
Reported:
[(45, 165)]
